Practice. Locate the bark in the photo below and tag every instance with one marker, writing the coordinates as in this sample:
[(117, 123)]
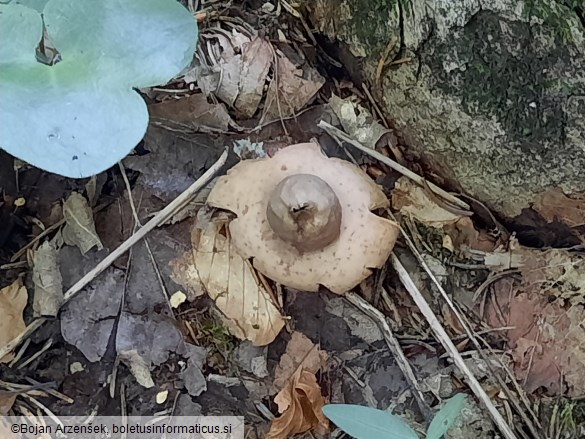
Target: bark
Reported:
[(494, 96)]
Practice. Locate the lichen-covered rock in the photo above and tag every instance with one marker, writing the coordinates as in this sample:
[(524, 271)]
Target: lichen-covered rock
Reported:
[(494, 96)]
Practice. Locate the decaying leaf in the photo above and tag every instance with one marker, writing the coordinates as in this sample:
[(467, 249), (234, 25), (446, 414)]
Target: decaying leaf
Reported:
[(47, 280), (412, 200), (6, 403), (291, 89), (88, 319), (554, 205), (256, 60), (360, 240), (547, 342), (194, 112), (139, 368), (552, 272), (238, 75), (79, 227), (232, 283), (358, 121), (301, 353), (13, 300), (463, 235), (301, 404), (153, 336)]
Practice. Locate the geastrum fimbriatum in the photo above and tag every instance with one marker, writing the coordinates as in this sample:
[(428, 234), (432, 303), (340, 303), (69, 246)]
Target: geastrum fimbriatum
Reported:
[(305, 219)]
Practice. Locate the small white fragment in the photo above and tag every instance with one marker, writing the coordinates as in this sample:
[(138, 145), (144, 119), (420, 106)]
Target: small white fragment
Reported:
[(76, 367), (178, 299), (267, 7), (161, 397)]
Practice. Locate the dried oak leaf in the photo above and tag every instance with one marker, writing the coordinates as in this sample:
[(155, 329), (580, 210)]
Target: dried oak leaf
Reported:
[(231, 282), (305, 219), (13, 300), (301, 404)]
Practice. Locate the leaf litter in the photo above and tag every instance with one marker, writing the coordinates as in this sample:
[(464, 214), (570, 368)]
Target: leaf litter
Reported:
[(13, 299), (246, 79)]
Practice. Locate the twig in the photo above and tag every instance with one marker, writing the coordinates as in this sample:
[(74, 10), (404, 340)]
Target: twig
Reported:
[(160, 218), (443, 337), (395, 348), (375, 105), (473, 337), (137, 225), (41, 235), (394, 165), (37, 354)]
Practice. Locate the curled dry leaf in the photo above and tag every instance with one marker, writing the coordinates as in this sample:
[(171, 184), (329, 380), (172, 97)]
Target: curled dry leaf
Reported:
[(239, 73), (412, 200), (301, 405), (338, 239), (13, 300), (231, 282), (48, 281), (79, 227)]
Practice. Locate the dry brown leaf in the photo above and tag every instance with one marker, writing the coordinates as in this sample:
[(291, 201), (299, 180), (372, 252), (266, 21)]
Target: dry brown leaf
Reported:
[(193, 111), (412, 200), (291, 89), (47, 280), (554, 205), (6, 402), (552, 272), (301, 405), (79, 227), (547, 342), (232, 283), (13, 300), (463, 235), (301, 353)]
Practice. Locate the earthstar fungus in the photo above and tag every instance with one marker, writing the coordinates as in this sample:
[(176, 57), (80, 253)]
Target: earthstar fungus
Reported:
[(305, 219)]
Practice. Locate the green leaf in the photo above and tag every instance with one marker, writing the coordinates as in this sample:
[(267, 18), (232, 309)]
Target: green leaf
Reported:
[(81, 116), (446, 417), (141, 42), (21, 29), (368, 423), (37, 5)]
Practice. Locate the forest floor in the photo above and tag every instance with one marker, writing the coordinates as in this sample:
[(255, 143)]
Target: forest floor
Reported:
[(152, 333)]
